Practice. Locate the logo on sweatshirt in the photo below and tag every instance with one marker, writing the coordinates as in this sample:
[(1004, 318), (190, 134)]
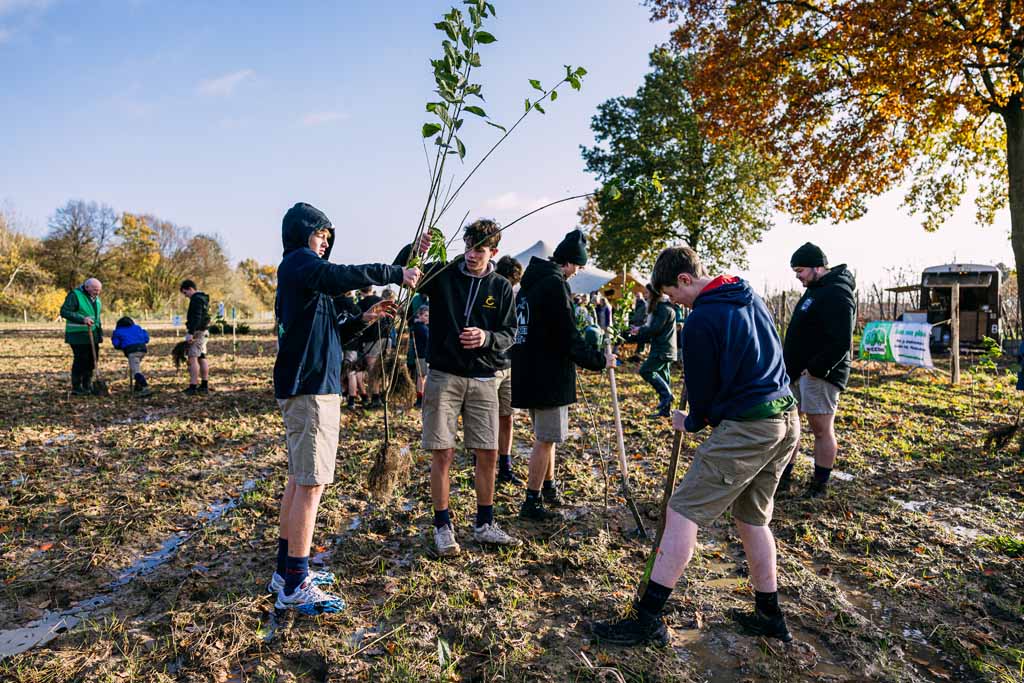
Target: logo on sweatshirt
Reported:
[(806, 305), (489, 302), (522, 321)]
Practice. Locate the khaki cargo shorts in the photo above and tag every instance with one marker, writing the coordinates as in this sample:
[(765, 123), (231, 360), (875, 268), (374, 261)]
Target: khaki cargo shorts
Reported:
[(311, 425), (815, 396), (448, 396), (197, 349), (505, 393), (738, 466), (550, 425)]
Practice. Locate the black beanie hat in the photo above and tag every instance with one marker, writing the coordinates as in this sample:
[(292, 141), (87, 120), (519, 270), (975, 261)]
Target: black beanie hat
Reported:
[(808, 256), (572, 249)]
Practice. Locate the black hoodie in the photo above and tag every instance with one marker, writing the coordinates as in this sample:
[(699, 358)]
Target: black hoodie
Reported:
[(548, 345), (198, 316), (819, 335), (459, 300), (310, 349)]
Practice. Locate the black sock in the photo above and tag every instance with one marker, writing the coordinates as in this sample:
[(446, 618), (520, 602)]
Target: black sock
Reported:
[(295, 571), (505, 463), (205, 383), (767, 603), (532, 496), (788, 472), (484, 515), (549, 484), (351, 401), (193, 386), (654, 598), (821, 474), (442, 518), (282, 555)]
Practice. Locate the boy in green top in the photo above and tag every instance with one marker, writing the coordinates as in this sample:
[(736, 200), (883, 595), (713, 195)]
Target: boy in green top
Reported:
[(81, 312)]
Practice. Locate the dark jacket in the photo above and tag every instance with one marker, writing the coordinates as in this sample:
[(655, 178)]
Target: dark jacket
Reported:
[(419, 341), (548, 344), (459, 300), (198, 317), (821, 330), (638, 316), (732, 355), (659, 332), (348, 312), (69, 310), (310, 348), (130, 339)]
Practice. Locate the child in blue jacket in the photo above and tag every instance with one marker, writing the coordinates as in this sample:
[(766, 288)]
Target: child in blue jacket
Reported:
[(132, 340)]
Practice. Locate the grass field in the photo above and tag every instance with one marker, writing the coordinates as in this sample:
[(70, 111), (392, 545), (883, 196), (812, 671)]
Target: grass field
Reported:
[(912, 570)]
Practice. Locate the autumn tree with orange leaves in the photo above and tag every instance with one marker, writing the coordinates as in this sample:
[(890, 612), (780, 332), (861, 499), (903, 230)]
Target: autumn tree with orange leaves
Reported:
[(856, 97)]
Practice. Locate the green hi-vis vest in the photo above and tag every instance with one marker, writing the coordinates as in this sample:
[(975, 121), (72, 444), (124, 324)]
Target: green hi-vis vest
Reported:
[(87, 309)]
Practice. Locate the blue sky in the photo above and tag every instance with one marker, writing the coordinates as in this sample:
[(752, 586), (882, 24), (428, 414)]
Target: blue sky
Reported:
[(221, 115)]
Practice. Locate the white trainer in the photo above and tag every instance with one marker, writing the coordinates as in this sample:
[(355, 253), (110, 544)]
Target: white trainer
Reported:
[(491, 534), (444, 541)]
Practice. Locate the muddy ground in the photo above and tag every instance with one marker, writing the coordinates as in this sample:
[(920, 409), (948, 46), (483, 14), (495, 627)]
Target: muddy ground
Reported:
[(151, 526)]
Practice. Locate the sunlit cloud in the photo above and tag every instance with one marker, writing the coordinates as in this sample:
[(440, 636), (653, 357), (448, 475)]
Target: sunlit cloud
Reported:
[(223, 86)]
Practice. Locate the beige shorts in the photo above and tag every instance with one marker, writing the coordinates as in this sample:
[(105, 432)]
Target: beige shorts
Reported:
[(311, 425), (550, 425), (815, 396), (505, 393), (197, 347), (373, 349), (135, 362), (738, 466), (448, 396)]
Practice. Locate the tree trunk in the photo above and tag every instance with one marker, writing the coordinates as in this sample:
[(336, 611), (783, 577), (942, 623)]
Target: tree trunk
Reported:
[(1013, 117)]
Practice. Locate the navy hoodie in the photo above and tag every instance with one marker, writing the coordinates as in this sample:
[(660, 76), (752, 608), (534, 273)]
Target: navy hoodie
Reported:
[(732, 355), (310, 348)]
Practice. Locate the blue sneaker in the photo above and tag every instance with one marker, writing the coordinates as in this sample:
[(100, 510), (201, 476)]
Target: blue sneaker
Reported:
[(309, 599), (319, 579)]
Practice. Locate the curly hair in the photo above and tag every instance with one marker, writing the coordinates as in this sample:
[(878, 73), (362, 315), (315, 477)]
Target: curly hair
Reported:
[(483, 232), (510, 269)]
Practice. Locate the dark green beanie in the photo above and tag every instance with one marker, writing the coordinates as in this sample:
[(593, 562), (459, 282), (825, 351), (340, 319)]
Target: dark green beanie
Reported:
[(572, 249), (808, 256)]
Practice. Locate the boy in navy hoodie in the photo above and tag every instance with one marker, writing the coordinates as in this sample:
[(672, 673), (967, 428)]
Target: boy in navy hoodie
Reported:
[(307, 385), (736, 383), (132, 339)]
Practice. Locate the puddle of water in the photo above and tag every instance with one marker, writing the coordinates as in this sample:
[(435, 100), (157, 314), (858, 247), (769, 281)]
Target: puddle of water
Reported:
[(356, 522), (60, 438), (842, 476), (53, 624), (913, 505), (729, 583)]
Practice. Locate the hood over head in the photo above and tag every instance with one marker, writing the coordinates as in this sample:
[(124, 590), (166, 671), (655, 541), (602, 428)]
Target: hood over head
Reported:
[(301, 221)]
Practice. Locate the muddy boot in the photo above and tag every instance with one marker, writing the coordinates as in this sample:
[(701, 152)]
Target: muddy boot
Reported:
[(552, 494), (638, 628), (816, 489), (758, 623), (533, 509)]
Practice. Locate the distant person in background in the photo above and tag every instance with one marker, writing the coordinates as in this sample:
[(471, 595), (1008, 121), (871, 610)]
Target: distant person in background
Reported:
[(817, 353), (604, 313), (512, 270), (131, 340), (81, 312), (419, 340), (372, 341), (347, 310), (638, 318), (660, 332), (197, 324)]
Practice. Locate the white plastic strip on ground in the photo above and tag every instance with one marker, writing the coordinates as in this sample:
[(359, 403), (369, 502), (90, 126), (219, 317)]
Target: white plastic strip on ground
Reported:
[(52, 624)]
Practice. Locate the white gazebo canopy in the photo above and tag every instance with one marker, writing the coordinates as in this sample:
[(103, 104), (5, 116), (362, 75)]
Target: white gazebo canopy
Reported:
[(588, 280)]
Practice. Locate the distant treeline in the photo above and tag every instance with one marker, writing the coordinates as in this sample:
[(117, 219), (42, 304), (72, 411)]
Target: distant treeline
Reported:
[(141, 260)]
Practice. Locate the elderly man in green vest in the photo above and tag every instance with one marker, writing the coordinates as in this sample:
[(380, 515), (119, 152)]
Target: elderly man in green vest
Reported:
[(81, 312)]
